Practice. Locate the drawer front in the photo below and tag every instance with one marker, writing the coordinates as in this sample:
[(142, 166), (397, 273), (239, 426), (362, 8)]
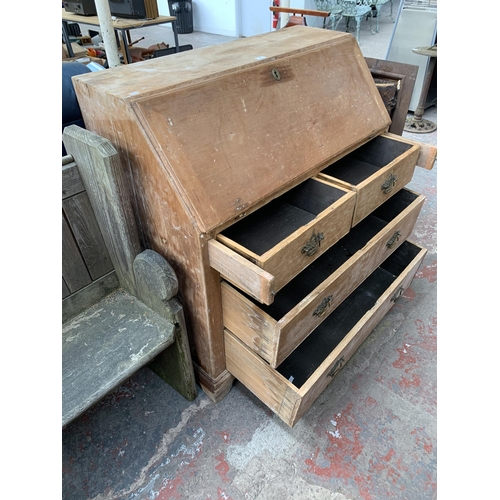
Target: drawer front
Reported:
[(274, 387), (381, 184), (275, 338), (284, 258)]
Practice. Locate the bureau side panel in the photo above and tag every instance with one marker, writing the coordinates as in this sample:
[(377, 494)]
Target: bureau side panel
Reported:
[(165, 223)]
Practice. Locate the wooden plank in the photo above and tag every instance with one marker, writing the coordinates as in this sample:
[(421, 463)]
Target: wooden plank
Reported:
[(82, 299), (107, 184), (74, 271), (83, 223), (104, 346), (71, 181), (242, 273)]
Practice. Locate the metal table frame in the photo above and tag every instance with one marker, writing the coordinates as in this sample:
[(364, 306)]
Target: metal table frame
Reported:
[(120, 25)]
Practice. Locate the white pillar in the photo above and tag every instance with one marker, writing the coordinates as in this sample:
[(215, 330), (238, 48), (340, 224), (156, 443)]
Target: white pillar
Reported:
[(283, 16), (108, 33)]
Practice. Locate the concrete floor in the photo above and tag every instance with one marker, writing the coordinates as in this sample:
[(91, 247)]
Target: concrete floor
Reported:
[(370, 435)]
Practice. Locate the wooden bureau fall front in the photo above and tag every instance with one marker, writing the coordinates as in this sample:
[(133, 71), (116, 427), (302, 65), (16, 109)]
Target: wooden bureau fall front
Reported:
[(262, 170)]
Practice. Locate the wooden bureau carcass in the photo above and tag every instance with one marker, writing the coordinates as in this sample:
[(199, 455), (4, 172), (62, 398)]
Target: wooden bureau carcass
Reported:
[(263, 171)]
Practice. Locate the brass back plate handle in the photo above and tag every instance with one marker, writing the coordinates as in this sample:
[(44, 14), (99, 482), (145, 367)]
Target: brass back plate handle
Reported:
[(389, 183), (393, 239), (336, 367), (325, 304), (399, 293), (312, 246)]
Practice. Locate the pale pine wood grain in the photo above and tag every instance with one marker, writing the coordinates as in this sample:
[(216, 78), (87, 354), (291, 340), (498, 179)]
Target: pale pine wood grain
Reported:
[(281, 396), (239, 271), (275, 339)]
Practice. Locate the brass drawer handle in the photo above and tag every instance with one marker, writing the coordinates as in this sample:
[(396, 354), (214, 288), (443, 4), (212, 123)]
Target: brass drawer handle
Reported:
[(389, 183), (399, 293), (393, 239), (336, 367), (312, 246), (325, 304)]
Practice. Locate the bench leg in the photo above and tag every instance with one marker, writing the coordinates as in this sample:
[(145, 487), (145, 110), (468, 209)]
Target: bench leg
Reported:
[(157, 286), (174, 364)]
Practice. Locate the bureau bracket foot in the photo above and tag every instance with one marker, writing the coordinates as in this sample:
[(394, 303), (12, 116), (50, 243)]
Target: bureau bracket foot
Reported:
[(215, 389)]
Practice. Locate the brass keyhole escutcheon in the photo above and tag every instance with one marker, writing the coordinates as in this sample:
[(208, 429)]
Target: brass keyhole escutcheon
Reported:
[(336, 367), (276, 74), (389, 183), (393, 239), (312, 246), (321, 309)]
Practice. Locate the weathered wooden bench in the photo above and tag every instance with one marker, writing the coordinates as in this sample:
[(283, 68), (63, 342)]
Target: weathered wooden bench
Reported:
[(119, 309)]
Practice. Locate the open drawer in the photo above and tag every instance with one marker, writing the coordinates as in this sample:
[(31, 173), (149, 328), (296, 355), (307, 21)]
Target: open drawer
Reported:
[(273, 331), (282, 238), (291, 389), (376, 171)]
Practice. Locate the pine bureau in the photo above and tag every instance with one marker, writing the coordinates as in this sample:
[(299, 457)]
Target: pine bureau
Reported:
[(263, 171)]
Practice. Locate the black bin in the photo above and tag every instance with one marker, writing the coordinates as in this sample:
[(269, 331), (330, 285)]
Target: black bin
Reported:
[(183, 11)]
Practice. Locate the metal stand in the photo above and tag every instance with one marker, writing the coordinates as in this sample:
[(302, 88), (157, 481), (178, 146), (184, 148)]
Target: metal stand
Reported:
[(417, 124)]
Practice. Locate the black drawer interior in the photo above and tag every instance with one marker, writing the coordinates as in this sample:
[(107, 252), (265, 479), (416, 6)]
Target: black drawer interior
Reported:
[(309, 355), (271, 224), (325, 265), (366, 160)]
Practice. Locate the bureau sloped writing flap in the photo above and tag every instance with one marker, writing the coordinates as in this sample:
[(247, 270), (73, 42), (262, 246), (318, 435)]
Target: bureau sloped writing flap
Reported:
[(246, 135)]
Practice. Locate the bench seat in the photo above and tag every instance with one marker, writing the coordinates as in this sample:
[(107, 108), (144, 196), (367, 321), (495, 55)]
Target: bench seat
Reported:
[(105, 345)]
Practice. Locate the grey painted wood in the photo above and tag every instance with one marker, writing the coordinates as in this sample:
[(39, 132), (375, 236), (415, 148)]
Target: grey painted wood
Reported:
[(83, 223), (106, 344), (71, 181), (89, 295), (74, 271), (156, 281), (106, 183), (174, 365), (65, 289), (157, 286), (67, 159)]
